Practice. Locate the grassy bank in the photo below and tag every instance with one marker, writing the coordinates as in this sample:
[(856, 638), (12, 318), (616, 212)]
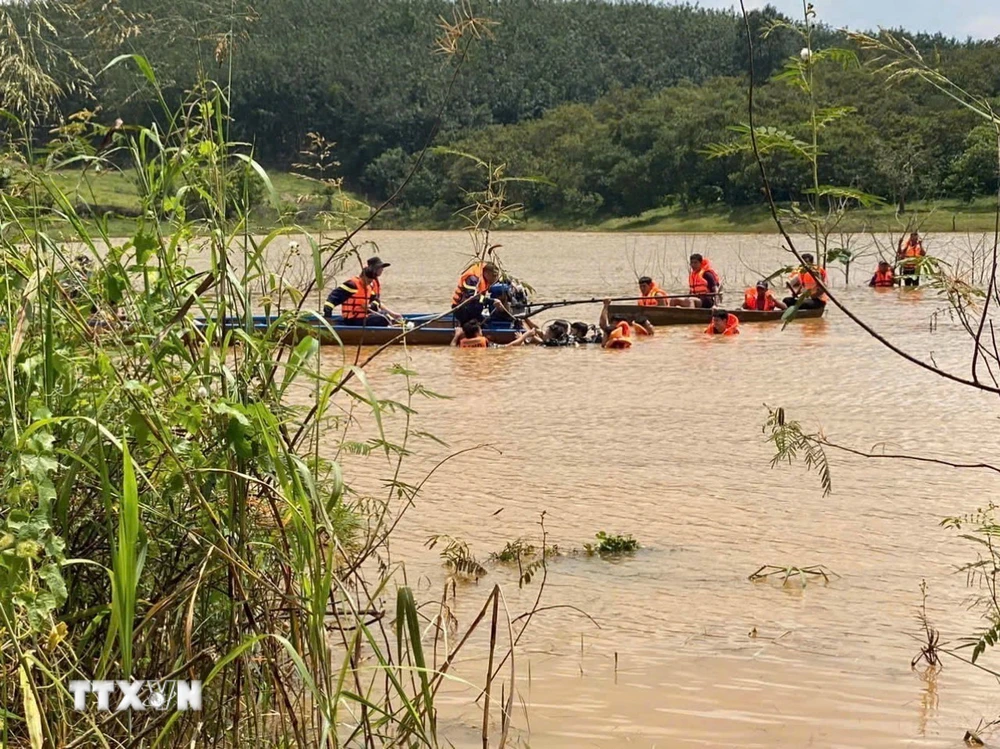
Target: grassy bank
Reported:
[(933, 216), (303, 202)]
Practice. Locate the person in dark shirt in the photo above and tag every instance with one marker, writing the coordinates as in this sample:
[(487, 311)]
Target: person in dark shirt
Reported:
[(703, 284), (360, 298), (582, 332), (471, 299)]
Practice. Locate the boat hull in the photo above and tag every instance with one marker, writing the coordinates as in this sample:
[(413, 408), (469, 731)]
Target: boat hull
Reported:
[(332, 332), (661, 316)]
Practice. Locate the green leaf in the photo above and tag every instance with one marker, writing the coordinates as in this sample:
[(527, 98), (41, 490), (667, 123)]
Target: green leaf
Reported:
[(126, 563), (848, 193), (304, 352), (272, 194), (141, 62)]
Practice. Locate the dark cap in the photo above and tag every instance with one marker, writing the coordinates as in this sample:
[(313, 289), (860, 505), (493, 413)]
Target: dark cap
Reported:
[(374, 263), (762, 283)]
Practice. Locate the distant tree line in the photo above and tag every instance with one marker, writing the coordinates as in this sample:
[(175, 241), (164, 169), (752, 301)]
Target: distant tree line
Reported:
[(610, 102)]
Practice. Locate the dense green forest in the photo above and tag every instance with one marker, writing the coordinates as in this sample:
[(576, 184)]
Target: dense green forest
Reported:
[(612, 103)]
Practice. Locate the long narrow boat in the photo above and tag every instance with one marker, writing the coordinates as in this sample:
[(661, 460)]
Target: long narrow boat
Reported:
[(333, 332), (692, 316)]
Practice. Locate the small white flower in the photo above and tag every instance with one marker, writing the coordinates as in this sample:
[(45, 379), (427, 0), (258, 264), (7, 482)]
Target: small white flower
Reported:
[(805, 54), (202, 392), (293, 245)]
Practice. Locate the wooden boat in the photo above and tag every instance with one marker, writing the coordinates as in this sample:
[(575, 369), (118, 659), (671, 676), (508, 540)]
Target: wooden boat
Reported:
[(693, 316), (332, 332)]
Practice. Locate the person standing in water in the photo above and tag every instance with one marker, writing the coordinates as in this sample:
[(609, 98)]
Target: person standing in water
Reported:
[(884, 278), (909, 255), (723, 323), (470, 335)]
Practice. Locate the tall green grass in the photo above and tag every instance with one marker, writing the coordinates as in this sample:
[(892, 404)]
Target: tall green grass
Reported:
[(172, 506)]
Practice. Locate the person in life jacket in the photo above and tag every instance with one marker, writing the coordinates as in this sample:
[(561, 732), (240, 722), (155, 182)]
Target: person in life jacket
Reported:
[(471, 297), (359, 298), (703, 283), (641, 326), (470, 335), (884, 278), (617, 331), (910, 254), (761, 299), (806, 292), (723, 323), (652, 294), (619, 335)]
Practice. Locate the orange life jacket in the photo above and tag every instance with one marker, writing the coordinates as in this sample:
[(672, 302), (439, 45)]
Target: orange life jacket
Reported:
[(808, 281), (363, 298), (732, 326), (913, 250), (697, 282), (464, 289), (884, 280), (478, 342), (751, 300), (653, 298), (619, 337)]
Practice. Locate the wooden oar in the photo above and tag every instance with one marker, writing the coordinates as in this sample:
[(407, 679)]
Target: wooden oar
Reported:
[(536, 309)]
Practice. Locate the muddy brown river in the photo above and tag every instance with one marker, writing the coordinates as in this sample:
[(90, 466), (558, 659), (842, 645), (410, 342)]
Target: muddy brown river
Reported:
[(664, 442)]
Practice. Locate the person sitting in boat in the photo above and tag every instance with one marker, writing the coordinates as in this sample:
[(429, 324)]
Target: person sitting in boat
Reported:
[(470, 335), (884, 277), (471, 298), (806, 293), (652, 294), (761, 298), (359, 298), (723, 323), (910, 255), (703, 283)]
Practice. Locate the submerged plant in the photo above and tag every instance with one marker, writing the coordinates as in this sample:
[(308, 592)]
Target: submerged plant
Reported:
[(457, 556), (612, 544)]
